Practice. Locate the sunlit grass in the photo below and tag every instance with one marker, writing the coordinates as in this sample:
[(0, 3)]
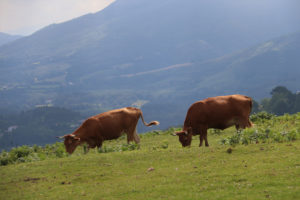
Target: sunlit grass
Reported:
[(161, 169)]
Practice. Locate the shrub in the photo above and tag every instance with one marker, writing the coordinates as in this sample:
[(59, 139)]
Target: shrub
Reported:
[(224, 141), (34, 153), (20, 152), (4, 158), (165, 144), (278, 137), (292, 135), (261, 116), (36, 148), (267, 129), (245, 140), (59, 152), (235, 139), (119, 148)]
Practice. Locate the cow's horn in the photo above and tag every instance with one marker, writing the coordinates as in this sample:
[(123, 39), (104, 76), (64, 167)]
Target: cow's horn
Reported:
[(75, 137), (179, 132), (60, 137)]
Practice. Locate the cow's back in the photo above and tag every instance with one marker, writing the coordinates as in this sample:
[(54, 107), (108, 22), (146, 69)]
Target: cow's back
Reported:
[(115, 122), (218, 112)]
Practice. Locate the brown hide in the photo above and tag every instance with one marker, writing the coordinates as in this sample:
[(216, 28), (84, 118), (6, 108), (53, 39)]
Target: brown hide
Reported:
[(218, 112), (106, 126)]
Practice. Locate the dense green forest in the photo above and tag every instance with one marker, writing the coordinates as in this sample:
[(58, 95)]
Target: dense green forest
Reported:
[(40, 125)]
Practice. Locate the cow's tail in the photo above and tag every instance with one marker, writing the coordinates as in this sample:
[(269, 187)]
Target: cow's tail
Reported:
[(251, 103), (250, 124), (149, 124)]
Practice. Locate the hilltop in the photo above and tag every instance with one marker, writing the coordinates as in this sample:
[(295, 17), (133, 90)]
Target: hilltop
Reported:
[(7, 38), (266, 167)]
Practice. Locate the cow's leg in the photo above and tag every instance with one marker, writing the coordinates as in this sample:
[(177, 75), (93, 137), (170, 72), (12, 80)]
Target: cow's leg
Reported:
[(249, 123), (136, 137), (133, 136), (86, 147), (201, 139), (99, 144), (129, 137), (244, 122), (237, 127), (205, 137)]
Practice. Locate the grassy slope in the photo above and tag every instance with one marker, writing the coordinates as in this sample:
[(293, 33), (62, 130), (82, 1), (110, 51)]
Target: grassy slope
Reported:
[(256, 171)]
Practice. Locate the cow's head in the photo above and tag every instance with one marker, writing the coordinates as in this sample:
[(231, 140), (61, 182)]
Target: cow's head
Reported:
[(185, 137), (71, 142)]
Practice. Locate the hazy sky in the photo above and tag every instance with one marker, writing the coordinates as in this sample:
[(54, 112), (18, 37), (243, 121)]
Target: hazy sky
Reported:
[(23, 17)]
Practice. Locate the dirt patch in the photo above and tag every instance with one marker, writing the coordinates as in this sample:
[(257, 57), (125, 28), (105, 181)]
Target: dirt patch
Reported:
[(65, 183), (33, 180)]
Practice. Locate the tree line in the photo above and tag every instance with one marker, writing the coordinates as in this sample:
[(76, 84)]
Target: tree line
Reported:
[(282, 101)]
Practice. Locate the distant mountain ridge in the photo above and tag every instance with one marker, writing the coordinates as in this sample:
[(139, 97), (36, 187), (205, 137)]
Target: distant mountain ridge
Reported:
[(7, 38), (257, 70), (152, 51)]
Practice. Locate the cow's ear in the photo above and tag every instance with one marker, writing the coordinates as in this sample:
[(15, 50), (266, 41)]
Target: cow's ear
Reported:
[(180, 133)]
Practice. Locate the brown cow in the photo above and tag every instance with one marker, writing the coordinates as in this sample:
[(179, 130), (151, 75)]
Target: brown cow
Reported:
[(106, 126), (218, 112)]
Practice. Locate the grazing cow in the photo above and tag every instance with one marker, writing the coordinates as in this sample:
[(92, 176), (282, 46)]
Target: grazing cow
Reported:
[(106, 126), (218, 112)]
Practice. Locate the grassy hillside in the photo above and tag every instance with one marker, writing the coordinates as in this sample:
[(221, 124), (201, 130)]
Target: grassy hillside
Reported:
[(161, 169)]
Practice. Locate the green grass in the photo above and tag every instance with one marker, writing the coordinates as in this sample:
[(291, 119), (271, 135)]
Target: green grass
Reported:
[(162, 169)]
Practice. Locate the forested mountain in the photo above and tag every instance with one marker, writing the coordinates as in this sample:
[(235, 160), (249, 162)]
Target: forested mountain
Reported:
[(37, 126), (254, 71), (145, 51)]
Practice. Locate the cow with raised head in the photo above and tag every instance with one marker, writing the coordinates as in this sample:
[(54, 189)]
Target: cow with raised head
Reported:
[(106, 126), (218, 112)]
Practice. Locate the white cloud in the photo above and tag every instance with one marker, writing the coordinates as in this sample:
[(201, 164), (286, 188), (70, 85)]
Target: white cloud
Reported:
[(25, 16)]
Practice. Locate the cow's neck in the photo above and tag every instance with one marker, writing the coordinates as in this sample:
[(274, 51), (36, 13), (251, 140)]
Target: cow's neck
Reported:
[(186, 124)]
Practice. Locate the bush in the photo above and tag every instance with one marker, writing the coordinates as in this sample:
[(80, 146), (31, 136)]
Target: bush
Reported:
[(254, 135), (20, 152), (292, 135), (34, 153), (261, 116), (165, 144), (4, 158), (268, 128), (235, 139)]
